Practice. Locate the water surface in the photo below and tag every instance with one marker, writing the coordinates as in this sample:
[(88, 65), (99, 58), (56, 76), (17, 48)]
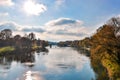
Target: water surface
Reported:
[(57, 64)]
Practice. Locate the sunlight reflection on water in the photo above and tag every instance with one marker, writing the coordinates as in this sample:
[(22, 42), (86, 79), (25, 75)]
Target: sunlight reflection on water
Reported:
[(32, 75)]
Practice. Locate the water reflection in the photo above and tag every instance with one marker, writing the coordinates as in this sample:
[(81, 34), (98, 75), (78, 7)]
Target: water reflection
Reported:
[(30, 75), (25, 57), (64, 64), (21, 55), (64, 58), (4, 66), (101, 72), (55, 64), (83, 51)]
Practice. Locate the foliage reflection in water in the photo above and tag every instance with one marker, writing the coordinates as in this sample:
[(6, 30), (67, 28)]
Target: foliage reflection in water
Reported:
[(57, 64)]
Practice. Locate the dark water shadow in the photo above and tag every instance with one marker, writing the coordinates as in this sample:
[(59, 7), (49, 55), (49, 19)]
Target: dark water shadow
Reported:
[(100, 71), (82, 51), (24, 56)]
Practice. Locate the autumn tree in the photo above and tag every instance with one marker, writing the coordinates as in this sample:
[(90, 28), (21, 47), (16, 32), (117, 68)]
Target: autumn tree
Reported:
[(106, 48), (115, 22)]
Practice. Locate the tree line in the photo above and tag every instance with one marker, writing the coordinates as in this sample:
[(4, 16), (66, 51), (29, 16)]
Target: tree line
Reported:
[(18, 41)]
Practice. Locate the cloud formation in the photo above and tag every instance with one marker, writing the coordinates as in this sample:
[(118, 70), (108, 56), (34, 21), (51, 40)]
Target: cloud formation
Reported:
[(33, 8), (23, 28), (57, 30), (9, 25), (39, 30), (59, 3), (66, 27), (64, 21), (6, 3)]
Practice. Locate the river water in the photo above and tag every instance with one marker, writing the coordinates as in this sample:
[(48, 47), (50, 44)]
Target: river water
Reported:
[(56, 64)]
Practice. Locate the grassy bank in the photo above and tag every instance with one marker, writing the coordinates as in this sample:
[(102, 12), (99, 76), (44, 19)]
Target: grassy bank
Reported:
[(6, 49), (35, 47), (113, 68)]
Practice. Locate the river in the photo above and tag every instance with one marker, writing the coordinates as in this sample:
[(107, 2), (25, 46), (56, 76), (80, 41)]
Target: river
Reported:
[(57, 64)]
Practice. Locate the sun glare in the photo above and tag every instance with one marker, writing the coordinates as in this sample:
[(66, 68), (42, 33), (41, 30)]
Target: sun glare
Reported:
[(32, 8)]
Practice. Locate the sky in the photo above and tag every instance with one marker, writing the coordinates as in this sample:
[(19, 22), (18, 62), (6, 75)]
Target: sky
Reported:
[(56, 20)]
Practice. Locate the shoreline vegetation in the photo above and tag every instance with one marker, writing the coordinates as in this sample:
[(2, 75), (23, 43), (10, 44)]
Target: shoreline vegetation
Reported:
[(10, 49), (7, 49), (10, 43), (104, 49)]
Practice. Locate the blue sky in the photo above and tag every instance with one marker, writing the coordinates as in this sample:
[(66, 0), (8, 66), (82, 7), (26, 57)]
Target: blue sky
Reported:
[(85, 15)]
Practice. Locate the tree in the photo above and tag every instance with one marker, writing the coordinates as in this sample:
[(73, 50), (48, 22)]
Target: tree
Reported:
[(25, 42), (115, 22), (31, 36), (6, 34), (1, 35), (17, 37), (106, 49)]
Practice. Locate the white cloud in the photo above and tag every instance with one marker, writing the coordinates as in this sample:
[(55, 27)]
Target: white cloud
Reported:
[(66, 28), (63, 21), (4, 14), (59, 3), (6, 3), (30, 7), (56, 30), (22, 29), (9, 25)]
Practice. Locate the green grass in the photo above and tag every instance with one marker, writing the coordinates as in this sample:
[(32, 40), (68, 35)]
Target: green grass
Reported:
[(36, 47), (112, 66), (6, 49)]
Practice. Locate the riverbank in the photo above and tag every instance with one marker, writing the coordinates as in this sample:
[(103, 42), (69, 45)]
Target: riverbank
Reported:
[(10, 49), (7, 49)]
